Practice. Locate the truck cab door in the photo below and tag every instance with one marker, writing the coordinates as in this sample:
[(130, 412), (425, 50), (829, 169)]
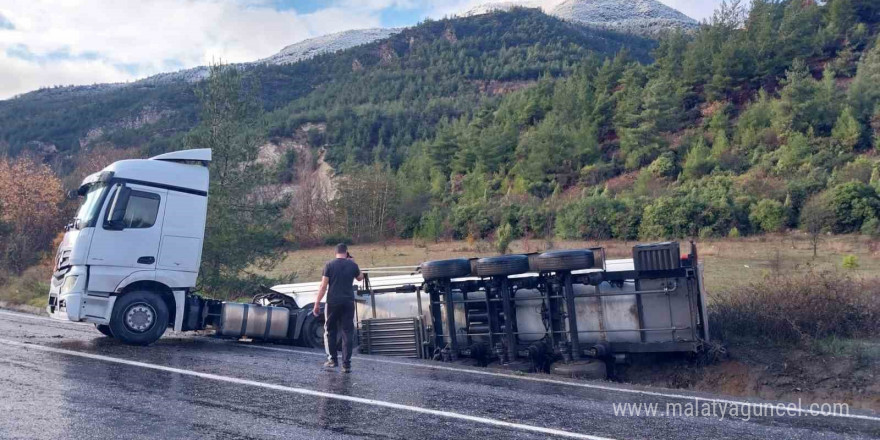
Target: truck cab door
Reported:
[(127, 236)]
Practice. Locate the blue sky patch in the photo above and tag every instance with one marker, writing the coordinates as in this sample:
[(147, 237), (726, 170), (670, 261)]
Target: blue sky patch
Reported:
[(21, 51)]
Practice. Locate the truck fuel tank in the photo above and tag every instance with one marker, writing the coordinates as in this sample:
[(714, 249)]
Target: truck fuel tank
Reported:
[(254, 321)]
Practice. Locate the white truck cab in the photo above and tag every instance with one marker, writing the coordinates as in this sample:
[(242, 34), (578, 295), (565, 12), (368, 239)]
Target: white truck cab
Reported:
[(131, 256)]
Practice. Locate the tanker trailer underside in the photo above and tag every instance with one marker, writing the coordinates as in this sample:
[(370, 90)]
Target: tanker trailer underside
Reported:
[(565, 305)]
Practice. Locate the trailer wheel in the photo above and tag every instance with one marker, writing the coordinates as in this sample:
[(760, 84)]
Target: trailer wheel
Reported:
[(104, 329), (454, 268), (502, 265), (139, 318), (565, 260)]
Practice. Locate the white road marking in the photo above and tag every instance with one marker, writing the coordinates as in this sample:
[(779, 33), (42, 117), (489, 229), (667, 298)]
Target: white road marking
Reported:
[(527, 378), (740, 403), (307, 392)]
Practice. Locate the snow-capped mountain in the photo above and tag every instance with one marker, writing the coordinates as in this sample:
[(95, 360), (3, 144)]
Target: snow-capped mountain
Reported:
[(302, 50), (642, 17), (327, 44)]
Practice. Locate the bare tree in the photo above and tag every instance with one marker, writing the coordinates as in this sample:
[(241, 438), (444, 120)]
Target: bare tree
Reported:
[(816, 219), (366, 197)]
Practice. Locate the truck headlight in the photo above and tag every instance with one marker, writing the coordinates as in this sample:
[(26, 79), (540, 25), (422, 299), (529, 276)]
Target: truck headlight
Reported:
[(69, 284)]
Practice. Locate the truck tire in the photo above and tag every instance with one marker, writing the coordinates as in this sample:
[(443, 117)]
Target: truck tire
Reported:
[(312, 333), (502, 265), (104, 329), (575, 259), (439, 269), (139, 318)]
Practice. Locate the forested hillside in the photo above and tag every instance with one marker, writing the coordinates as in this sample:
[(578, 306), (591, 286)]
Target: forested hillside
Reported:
[(435, 69), (760, 121), (516, 124)]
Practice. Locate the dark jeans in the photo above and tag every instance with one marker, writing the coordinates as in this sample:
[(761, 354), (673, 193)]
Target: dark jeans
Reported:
[(339, 317)]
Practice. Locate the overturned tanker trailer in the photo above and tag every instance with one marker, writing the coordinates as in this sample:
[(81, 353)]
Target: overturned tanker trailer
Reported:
[(565, 304)]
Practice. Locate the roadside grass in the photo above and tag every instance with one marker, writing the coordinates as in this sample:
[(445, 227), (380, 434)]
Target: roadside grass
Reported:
[(727, 262), (818, 308), (31, 288)]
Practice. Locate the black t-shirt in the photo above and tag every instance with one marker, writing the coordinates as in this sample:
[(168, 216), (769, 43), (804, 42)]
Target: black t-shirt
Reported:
[(342, 273)]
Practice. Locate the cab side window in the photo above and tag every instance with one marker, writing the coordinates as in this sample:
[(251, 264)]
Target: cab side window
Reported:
[(142, 209)]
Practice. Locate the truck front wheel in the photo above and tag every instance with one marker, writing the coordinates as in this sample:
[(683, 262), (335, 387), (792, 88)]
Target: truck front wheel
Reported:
[(104, 329), (139, 318)]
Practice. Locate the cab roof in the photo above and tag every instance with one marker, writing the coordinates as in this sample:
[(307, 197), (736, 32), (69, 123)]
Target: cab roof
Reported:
[(183, 170)]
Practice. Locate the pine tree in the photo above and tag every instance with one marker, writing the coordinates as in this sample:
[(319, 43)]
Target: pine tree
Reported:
[(864, 92), (242, 227), (796, 109), (875, 127), (841, 15), (847, 131), (698, 161)]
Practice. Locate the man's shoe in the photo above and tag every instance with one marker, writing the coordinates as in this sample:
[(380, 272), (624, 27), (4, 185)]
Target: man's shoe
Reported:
[(346, 368), (330, 364)]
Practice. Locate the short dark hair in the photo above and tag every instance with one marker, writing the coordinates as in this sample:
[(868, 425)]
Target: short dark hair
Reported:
[(341, 248)]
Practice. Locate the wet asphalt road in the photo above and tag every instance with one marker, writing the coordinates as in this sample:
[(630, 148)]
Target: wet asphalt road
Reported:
[(78, 384)]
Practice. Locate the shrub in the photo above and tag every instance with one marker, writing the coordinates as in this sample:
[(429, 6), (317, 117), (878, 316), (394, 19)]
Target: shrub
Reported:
[(734, 233), (431, 225), (852, 204), (768, 215), (871, 227), (797, 308), (503, 237), (850, 262), (30, 213), (663, 166), (597, 218)]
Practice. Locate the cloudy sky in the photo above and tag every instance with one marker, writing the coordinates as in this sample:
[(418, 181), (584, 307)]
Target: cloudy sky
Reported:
[(62, 42)]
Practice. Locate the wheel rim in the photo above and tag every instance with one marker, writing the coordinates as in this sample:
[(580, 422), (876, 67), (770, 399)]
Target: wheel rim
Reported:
[(139, 317)]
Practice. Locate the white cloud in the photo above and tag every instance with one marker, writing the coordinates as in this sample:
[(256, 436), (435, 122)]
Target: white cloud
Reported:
[(89, 41), (64, 42)]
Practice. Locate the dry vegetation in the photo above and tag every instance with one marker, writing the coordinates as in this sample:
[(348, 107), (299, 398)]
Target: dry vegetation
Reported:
[(728, 262), (800, 308)]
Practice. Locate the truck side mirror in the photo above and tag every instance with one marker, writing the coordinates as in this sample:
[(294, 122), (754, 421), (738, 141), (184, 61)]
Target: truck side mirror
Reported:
[(116, 212)]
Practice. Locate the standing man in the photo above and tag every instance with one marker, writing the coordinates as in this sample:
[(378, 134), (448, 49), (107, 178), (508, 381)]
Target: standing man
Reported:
[(339, 275)]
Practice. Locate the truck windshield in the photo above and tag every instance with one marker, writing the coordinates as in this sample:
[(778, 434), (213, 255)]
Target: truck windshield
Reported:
[(90, 205)]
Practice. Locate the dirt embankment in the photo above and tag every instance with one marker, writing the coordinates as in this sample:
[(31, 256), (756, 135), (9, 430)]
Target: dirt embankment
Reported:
[(837, 371)]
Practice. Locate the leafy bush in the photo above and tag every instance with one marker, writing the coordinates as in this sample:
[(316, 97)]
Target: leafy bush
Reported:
[(503, 237), (852, 204), (797, 308), (663, 166), (850, 262), (597, 218), (768, 215), (871, 227), (431, 226)]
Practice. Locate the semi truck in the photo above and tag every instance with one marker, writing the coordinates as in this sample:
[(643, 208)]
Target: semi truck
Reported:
[(129, 261)]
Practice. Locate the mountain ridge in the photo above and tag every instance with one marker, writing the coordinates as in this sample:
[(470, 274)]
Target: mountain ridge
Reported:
[(639, 17)]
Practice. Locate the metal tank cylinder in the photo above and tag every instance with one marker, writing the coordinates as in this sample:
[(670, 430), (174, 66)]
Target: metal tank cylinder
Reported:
[(254, 321)]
